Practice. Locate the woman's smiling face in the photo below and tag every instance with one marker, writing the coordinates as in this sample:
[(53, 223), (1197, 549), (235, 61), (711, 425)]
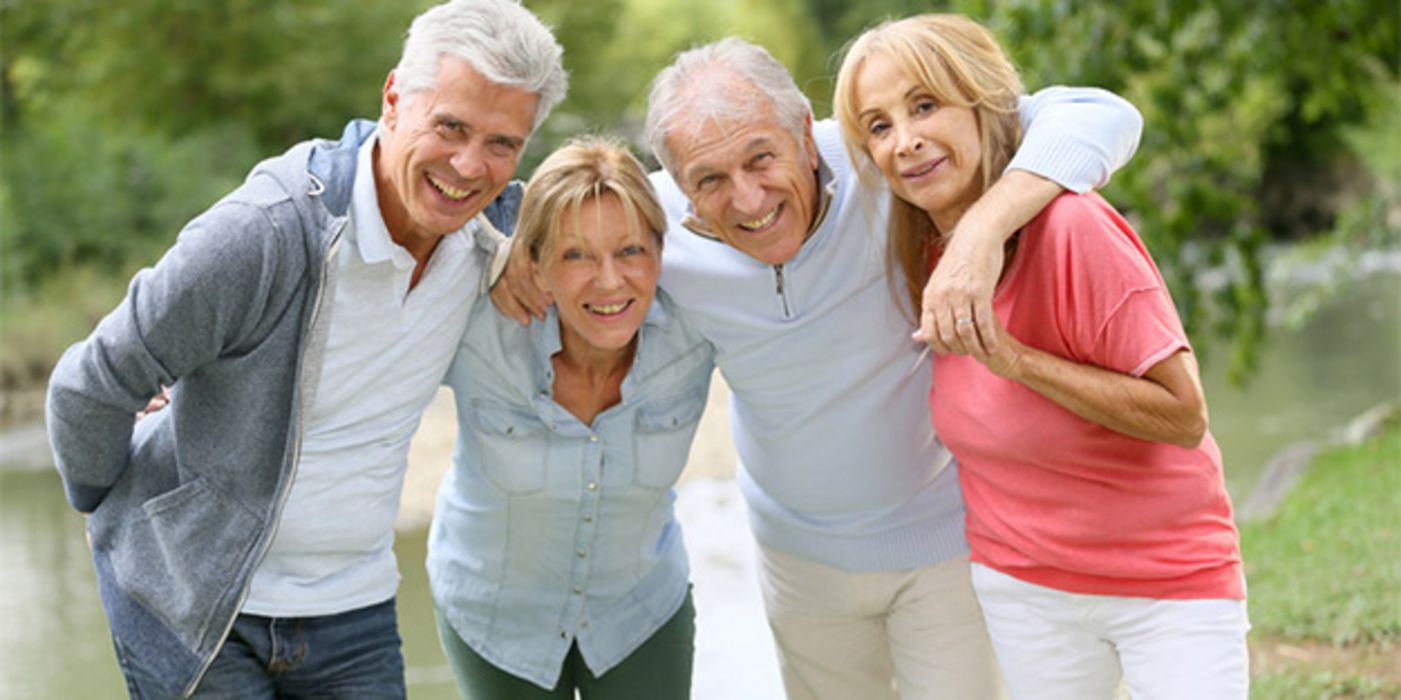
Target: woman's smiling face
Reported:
[(602, 269), (931, 154)]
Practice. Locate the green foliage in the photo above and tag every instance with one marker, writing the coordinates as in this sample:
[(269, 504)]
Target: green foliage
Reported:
[(1324, 568), (38, 324), (1321, 686), (614, 48), (74, 194), (285, 70), (119, 120), (123, 120), (1372, 222)]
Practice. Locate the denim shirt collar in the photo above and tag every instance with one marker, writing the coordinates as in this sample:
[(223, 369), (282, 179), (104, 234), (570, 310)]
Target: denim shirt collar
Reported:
[(545, 339)]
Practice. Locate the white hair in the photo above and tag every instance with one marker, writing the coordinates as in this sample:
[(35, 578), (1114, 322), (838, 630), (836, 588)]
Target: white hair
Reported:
[(500, 39), (701, 83)]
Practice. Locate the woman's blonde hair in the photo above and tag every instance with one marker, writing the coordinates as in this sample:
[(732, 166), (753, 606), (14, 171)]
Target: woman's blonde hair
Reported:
[(585, 168), (959, 63)]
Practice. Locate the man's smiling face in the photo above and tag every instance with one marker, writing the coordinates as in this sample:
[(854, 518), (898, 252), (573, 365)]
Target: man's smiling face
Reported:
[(749, 180), (445, 153)]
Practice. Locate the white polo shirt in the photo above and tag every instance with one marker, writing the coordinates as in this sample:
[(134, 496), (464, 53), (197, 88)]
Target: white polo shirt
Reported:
[(386, 353)]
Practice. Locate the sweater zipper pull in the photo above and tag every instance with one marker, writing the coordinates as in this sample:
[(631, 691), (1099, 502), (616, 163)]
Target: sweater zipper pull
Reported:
[(778, 288)]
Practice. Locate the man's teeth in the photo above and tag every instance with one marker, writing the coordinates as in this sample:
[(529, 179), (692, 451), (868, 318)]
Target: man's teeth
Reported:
[(760, 222), (609, 308), (450, 191)]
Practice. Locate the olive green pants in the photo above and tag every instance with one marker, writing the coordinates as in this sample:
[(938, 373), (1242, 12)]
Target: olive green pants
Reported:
[(660, 669)]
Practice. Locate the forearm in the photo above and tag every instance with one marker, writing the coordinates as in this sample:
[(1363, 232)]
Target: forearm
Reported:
[(1135, 406), (90, 415), (1012, 201)]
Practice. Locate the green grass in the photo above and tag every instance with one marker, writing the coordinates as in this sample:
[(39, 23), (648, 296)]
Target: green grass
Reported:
[(1327, 566), (1325, 574), (1319, 686)]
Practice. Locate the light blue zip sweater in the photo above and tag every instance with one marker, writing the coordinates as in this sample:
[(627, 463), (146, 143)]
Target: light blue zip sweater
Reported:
[(830, 410)]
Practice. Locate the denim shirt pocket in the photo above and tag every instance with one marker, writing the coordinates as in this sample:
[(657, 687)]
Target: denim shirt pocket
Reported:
[(512, 446), (665, 428)]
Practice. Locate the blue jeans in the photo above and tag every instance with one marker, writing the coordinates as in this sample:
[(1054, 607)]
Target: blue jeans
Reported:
[(350, 655)]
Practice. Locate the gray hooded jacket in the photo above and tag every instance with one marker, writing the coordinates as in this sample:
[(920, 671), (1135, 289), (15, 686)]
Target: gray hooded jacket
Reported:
[(233, 318)]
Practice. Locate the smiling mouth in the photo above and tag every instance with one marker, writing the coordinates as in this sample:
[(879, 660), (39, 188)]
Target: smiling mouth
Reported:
[(762, 222), (453, 193), (608, 309), (922, 170)]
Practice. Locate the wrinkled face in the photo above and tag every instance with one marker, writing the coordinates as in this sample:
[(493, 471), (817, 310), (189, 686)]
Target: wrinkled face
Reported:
[(446, 153), (752, 184), (602, 269), (930, 154)]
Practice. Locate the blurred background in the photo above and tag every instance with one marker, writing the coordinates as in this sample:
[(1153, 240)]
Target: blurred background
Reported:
[(1267, 186)]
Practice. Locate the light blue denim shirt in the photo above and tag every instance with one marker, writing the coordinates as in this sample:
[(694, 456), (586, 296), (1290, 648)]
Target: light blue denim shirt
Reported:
[(548, 531)]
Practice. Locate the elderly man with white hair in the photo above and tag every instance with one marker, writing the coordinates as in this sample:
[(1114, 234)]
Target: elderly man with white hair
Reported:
[(243, 536), (778, 256)]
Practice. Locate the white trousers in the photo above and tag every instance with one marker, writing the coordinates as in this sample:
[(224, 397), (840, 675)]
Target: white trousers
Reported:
[(1054, 645), (916, 635)]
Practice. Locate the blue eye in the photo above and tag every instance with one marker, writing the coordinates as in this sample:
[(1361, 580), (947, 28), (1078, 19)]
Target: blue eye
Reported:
[(572, 254), (635, 249)]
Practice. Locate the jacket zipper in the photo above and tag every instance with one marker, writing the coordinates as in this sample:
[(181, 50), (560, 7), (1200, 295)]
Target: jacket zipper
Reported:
[(287, 492), (778, 288)]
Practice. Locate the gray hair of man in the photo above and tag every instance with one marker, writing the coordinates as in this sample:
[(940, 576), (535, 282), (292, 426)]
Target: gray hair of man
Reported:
[(694, 86), (500, 39)]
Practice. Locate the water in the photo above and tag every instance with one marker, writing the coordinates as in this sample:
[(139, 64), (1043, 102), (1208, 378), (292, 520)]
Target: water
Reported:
[(1310, 381), (54, 642)]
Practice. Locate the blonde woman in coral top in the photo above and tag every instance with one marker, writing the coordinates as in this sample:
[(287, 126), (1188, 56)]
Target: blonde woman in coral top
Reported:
[(1101, 532)]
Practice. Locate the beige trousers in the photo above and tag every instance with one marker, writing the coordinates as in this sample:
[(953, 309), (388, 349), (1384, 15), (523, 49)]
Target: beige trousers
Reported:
[(912, 635)]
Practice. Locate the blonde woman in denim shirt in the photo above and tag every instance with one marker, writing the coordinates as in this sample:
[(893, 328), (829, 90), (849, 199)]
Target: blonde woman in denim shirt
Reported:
[(555, 560)]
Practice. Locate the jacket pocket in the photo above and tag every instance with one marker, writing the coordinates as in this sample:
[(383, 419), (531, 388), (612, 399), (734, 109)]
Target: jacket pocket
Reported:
[(179, 552), (665, 428), (513, 446)]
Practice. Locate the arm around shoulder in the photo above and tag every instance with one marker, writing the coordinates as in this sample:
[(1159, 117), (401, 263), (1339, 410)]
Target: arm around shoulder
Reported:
[(1077, 137)]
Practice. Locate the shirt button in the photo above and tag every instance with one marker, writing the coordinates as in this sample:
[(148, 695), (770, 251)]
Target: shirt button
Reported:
[(582, 554), (593, 486), (584, 623), (593, 438), (563, 634), (588, 518), (578, 590)]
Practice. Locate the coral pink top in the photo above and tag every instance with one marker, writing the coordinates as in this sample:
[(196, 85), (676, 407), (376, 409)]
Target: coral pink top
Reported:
[(1052, 498)]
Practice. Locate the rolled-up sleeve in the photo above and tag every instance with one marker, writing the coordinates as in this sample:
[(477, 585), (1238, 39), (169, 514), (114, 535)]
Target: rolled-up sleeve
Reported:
[(1076, 137)]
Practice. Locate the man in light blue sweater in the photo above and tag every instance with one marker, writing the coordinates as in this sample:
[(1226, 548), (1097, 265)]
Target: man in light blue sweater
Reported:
[(777, 253)]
